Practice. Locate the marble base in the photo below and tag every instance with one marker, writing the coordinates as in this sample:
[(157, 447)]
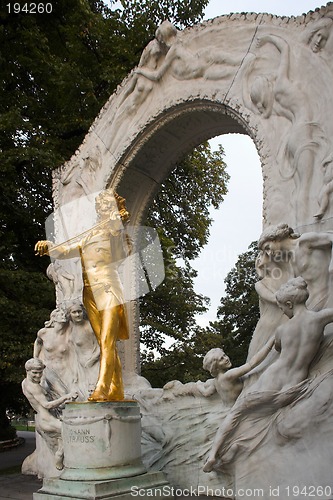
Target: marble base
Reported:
[(148, 485), (102, 455), (102, 441)]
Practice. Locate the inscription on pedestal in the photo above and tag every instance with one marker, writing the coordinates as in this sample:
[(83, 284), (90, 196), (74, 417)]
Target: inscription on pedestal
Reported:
[(101, 436), (83, 436)]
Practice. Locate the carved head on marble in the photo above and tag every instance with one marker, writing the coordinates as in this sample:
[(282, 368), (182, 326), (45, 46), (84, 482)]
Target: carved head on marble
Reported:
[(56, 316), (319, 33), (294, 292), (34, 368), (76, 312), (277, 242), (166, 33), (216, 361)]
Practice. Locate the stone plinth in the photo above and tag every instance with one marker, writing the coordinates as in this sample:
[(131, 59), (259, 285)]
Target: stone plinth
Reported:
[(102, 440), (102, 454), (148, 485)]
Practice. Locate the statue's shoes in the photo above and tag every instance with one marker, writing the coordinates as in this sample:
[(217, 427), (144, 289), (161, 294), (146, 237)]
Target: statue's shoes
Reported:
[(116, 396), (98, 396)]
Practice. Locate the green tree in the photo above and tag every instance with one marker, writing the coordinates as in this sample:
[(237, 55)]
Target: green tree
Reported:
[(57, 70), (184, 361), (238, 313), (180, 211), (237, 317)]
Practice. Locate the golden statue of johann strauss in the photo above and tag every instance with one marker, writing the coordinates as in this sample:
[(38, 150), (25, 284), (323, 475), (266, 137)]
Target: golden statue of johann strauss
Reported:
[(98, 249)]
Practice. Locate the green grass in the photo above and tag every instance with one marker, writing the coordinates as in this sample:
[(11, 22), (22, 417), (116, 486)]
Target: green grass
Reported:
[(20, 427), (15, 469)]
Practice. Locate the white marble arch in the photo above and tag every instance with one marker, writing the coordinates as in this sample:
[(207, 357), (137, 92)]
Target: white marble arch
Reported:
[(257, 74), (237, 73)]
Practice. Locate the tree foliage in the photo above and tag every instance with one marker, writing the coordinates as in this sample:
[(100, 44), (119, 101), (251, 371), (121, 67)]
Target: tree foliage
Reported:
[(180, 211), (237, 317), (57, 70), (238, 313)]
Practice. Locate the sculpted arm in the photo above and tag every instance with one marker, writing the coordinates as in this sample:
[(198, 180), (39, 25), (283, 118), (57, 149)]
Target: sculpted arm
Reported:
[(316, 240), (325, 316), (34, 393), (206, 388), (45, 247), (38, 344), (283, 48), (49, 405), (254, 361), (157, 75)]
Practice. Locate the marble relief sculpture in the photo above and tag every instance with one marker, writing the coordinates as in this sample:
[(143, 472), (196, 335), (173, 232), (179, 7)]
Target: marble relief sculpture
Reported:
[(318, 35), (305, 147), (86, 348), (184, 64), (47, 425), (52, 346), (227, 381), (139, 87), (297, 343), (64, 281), (268, 422)]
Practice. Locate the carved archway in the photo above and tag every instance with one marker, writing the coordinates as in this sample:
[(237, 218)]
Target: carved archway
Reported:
[(270, 78), (256, 74)]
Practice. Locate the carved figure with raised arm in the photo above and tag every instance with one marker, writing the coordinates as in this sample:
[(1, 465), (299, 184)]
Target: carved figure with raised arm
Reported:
[(101, 250), (306, 144), (284, 254), (48, 426), (297, 342), (227, 381), (150, 60), (275, 266), (140, 87)]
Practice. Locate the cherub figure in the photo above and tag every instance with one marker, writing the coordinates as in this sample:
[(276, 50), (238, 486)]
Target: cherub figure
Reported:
[(227, 381)]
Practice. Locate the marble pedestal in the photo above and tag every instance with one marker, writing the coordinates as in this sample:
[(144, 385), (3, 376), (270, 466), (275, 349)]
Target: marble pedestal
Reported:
[(102, 455)]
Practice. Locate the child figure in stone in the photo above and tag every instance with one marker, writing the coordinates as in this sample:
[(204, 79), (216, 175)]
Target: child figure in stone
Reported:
[(227, 381), (297, 343)]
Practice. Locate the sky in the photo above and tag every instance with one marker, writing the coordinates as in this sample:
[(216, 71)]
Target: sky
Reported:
[(238, 222)]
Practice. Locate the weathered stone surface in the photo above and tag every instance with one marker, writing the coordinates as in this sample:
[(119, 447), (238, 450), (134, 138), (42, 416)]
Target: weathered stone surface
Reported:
[(268, 77)]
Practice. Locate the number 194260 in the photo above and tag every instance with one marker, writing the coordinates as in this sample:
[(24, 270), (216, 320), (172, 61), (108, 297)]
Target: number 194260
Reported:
[(29, 8)]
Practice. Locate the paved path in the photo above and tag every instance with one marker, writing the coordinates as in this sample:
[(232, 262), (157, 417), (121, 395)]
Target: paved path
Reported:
[(18, 486), (21, 487)]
